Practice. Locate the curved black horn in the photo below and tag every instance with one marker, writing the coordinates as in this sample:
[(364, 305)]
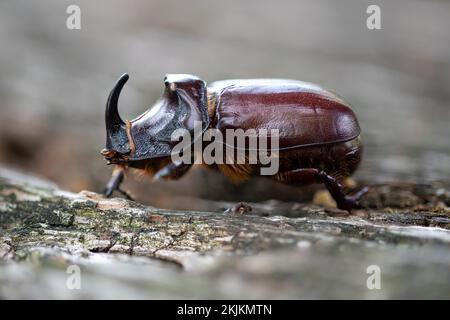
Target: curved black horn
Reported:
[(112, 117)]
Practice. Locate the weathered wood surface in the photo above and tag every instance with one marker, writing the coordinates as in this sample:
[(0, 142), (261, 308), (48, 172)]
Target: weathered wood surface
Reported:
[(278, 250)]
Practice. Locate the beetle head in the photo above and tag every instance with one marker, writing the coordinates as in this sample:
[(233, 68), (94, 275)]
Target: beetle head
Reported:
[(149, 136)]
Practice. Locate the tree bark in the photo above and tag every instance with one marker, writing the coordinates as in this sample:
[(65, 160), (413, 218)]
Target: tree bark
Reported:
[(277, 250)]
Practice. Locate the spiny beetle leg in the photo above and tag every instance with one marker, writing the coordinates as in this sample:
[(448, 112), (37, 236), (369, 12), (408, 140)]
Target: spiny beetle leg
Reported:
[(343, 202), (310, 175), (115, 182), (173, 169)]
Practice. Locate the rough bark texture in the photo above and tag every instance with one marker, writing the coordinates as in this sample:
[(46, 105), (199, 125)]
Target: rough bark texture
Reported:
[(277, 250)]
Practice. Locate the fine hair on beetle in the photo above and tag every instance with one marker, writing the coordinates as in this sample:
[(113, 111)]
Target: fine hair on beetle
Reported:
[(239, 147)]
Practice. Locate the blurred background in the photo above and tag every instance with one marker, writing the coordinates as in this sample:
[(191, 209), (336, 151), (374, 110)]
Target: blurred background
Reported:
[(54, 81)]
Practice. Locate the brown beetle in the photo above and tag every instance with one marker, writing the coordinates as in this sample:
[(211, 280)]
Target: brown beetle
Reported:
[(319, 135)]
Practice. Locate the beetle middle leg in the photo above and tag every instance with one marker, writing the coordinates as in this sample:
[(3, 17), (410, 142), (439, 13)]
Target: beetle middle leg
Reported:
[(171, 171), (310, 175)]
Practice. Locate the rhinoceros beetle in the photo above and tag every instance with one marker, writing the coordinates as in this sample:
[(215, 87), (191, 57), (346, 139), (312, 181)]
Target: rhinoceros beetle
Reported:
[(319, 135)]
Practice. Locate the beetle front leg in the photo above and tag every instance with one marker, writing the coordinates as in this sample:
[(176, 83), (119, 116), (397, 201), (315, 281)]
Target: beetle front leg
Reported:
[(114, 183), (310, 175)]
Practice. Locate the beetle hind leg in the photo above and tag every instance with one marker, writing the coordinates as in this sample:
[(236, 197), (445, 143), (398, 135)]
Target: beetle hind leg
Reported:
[(171, 171), (343, 202), (310, 175)]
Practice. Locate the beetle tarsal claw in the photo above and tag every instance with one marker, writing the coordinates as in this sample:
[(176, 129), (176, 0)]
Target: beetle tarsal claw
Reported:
[(125, 194), (239, 208)]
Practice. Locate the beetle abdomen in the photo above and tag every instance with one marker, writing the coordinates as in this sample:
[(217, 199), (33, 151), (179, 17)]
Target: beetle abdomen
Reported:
[(304, 113)]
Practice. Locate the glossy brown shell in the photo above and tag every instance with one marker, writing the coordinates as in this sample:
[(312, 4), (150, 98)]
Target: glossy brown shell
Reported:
[(304, 113), (182, 104)]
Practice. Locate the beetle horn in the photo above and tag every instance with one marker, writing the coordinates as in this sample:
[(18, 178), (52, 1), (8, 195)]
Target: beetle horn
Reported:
[(116, 134), (112, 117)]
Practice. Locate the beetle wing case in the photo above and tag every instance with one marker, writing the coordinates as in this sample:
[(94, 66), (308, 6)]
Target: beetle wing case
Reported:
[(304, 113), (183, 102)]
